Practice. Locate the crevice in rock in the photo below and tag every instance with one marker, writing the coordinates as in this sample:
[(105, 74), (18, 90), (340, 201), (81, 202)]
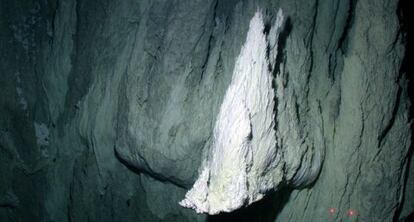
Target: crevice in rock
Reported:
[(53, 18), (405, 16), (210, 43), (342, 43), (69, 206), (280, 59), (343, 40), (310, 46), (388, 126)]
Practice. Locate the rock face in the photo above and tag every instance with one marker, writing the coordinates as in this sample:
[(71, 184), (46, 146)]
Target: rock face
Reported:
[(245, 160), (119, 110), (243, 150)]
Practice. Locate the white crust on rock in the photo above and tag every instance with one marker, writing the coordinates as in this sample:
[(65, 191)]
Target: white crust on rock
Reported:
[(243, 162)]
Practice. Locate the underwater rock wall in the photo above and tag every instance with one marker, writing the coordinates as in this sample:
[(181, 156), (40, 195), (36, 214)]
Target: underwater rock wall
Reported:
[(108, 108)]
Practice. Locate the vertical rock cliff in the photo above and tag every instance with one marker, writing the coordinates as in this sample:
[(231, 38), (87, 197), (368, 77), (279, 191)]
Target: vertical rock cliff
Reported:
[(119, 110)]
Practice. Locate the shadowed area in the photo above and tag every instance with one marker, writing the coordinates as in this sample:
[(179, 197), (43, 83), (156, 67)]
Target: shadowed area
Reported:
[(265, 210)]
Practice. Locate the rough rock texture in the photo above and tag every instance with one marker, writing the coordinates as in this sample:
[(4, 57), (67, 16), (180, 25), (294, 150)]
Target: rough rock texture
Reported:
[(243, 163), (108, 108), (247, 157)]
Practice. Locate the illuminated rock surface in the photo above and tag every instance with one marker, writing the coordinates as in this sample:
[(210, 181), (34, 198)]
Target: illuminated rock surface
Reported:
[(243, 149), (109, 110), (245, 160)]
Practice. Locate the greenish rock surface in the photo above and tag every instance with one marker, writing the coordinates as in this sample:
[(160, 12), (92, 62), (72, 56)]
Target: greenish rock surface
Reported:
[(107, 108)]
